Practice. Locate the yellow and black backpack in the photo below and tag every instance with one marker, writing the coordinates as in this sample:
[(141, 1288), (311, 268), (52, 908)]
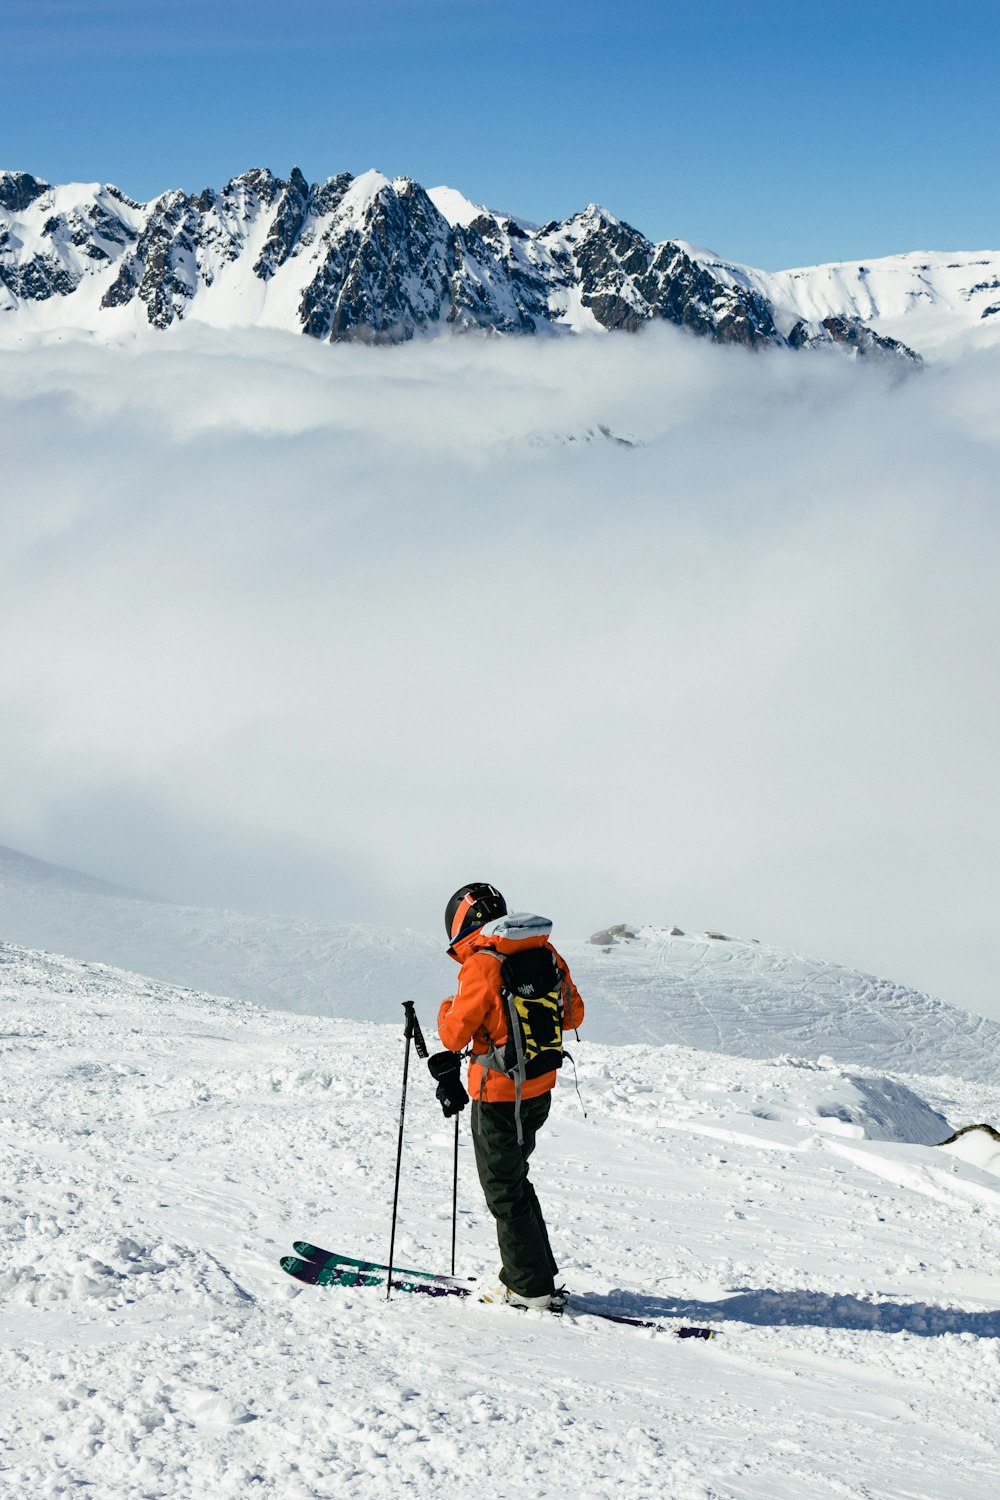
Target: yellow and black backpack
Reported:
[(533, 988)]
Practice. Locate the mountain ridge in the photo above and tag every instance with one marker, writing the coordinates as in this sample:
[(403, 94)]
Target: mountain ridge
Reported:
[(655, 986), (16, 867), (372, 259)]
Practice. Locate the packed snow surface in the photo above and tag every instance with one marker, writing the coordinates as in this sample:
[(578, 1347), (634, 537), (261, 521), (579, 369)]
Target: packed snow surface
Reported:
[(159, 1150), (644, 985)]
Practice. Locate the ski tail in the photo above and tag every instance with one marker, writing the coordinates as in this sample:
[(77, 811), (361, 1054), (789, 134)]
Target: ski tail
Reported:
[(307, 1251), (340, 1271)]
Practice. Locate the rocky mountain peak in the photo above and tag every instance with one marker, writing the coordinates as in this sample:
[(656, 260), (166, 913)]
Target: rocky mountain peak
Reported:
[(371, 258)]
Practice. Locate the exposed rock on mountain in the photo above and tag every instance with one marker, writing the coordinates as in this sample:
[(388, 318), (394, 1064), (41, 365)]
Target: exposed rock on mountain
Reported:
[(286, 226), (18, 191), (853, 335), (366, 258), (625, 282)]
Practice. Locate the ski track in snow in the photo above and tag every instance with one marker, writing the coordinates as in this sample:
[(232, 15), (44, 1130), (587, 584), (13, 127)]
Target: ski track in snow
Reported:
[(159, 1149)]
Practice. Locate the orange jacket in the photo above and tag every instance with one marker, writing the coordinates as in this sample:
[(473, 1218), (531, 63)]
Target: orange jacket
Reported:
[(477, 1010)]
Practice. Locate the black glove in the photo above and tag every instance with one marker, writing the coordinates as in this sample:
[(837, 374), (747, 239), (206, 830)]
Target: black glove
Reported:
[(446, 1068)]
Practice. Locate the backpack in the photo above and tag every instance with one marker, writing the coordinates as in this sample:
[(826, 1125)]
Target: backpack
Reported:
[(533, 990), (531, 984)]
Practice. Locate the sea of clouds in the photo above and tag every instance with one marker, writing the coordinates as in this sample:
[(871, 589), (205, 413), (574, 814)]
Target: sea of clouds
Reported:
[(637, 627)]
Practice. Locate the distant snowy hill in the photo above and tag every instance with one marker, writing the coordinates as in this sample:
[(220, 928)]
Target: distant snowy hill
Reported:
[(341, 969), (159, 1150), (20, 872), (378, 260), (642, 985), (936, 303), (753, 1000)]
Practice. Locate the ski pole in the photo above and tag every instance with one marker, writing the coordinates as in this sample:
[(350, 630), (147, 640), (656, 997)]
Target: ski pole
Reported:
[(413, 1033), (454, 1201), (445, 1070)]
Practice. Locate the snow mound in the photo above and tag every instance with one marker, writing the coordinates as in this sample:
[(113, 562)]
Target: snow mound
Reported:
[(882, 1109), (726, 994), (977, 1144), (852, 1105)]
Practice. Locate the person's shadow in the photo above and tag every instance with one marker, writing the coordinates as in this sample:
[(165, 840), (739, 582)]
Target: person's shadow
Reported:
[(804, 1310)]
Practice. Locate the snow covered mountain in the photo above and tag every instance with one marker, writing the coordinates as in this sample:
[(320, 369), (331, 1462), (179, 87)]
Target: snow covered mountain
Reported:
[(159, 1150), (645, 985), (938, 303), (377, 260)]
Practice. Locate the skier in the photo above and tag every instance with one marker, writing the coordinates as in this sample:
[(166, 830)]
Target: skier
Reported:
[(509, 970)]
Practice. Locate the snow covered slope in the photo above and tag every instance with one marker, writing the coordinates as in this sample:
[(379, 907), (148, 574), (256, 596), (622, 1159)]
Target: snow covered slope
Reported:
[(377, 259), (160, 1149), (726, 995), (342, 969)]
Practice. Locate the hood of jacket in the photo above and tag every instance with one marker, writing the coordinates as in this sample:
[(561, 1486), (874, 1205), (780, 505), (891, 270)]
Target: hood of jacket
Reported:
[(512, 933)]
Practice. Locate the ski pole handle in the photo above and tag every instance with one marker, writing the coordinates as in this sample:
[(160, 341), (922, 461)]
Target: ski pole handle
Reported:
[(413, 1029)]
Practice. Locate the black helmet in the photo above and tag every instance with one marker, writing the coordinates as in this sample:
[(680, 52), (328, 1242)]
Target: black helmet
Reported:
[(470, 907)]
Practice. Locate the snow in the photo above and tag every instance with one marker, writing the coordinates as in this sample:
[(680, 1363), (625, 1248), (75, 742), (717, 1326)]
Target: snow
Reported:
[(455, 206), (159, 1149), (569, 311), (457, 209), (362, 191), (980, 1146)]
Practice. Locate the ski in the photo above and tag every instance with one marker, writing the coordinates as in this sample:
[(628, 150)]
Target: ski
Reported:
[(306, 1251), (315, 1266), (345, 1271)]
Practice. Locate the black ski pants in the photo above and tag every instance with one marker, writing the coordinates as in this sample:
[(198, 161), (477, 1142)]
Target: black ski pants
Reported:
[(502, 1161)]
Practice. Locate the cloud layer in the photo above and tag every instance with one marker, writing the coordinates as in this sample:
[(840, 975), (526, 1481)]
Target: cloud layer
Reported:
[(333, 630)]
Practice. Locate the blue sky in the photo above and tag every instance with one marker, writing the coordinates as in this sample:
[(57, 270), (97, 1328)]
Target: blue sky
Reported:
[(778, 133)]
